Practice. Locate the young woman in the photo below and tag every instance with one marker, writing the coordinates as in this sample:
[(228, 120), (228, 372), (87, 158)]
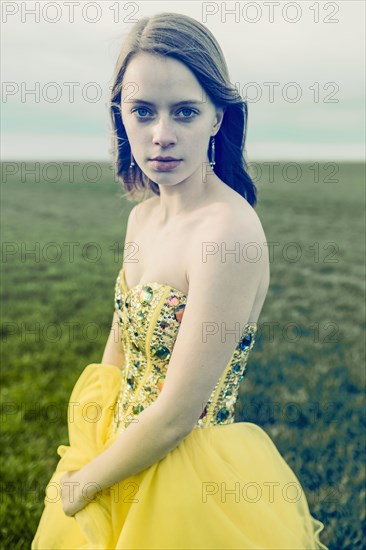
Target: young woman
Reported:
[(155, 458)]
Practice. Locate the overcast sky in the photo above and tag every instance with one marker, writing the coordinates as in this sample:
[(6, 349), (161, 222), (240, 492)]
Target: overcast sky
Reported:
[(319, 46)]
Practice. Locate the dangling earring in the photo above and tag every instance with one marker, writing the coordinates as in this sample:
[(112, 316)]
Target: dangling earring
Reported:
[(212, 161), (132, 162)]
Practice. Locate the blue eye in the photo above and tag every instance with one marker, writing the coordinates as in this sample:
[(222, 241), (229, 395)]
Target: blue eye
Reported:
[(187, 109), (140, 109), (147, 112)]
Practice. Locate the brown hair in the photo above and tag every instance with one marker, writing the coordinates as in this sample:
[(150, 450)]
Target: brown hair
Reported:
[(189, 41)]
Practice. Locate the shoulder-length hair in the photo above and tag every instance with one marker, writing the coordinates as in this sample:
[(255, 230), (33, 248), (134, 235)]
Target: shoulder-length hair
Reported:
[(189, 41)]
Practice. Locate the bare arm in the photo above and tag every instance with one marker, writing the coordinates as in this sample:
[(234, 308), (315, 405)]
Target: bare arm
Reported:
[(221, 293), (146, 441), (113, 352)]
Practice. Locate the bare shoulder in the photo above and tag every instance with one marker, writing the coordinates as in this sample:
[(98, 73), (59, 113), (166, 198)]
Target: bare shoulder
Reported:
[(138, 215), (230, 245), (238, 223), (145, 208), (246, 218)]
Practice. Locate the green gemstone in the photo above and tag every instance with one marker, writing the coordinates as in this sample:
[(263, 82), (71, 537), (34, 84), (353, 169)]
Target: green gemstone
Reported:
[(222, 415), (236, 367), (162, 352), (146, 294), (136, 409)]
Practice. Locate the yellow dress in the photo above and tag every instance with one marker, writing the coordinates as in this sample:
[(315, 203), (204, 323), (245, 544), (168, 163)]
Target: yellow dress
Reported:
[(224, 486)]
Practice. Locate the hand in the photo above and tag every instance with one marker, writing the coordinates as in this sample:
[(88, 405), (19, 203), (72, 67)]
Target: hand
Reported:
[(73, 499)]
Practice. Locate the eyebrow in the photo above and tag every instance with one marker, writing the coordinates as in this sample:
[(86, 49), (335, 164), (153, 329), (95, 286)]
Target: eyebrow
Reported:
[(185, 102)]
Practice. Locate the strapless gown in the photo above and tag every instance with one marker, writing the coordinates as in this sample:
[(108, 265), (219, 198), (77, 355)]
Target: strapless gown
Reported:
[(225, 486)]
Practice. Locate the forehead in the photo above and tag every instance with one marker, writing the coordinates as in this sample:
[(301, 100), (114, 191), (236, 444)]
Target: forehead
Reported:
[(157, 76)]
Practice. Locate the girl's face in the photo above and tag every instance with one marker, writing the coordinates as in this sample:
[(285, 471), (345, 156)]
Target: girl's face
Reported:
[(167, 113)]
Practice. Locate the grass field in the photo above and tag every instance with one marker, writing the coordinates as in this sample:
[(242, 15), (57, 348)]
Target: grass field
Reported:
[(305, 379)]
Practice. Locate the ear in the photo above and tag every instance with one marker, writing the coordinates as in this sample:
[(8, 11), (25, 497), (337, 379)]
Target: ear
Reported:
[(219, 116)]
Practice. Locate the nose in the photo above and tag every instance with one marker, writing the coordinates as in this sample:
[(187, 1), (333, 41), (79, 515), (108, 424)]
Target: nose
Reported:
[(163, 133)]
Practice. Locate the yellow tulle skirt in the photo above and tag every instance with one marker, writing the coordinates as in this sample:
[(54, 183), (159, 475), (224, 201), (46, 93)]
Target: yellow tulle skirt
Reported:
[(222, 487)]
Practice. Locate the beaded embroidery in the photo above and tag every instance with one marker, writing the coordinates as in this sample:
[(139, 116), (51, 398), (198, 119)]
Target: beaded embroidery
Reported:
[(150, 315)]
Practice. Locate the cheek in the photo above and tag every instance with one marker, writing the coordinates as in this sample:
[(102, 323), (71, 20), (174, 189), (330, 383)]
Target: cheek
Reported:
[(130, 123), (196, 140), (129, 126), (138, 132), (197, 145)]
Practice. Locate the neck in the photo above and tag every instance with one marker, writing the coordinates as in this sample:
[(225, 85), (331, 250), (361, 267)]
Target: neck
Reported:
[(190, 194)]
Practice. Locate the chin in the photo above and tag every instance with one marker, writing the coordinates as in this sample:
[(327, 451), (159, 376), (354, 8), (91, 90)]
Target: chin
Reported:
[(165, 176)]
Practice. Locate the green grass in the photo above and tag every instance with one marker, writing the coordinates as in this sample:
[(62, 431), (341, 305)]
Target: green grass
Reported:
[(305, 378)]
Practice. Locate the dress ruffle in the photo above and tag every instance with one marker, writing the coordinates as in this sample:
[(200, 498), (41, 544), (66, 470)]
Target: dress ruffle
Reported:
[(223, 487)]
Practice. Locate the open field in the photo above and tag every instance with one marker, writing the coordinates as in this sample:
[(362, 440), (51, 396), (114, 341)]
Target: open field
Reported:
[(305, 378)]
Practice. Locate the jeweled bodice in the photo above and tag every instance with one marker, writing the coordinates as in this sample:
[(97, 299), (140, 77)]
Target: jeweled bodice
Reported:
[(149, 315)]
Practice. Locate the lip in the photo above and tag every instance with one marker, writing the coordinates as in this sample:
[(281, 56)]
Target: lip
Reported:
[(165, 165), (164, 158)]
